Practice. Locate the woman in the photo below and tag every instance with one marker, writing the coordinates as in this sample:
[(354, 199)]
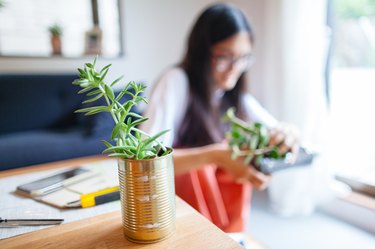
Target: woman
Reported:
[(190, 100)]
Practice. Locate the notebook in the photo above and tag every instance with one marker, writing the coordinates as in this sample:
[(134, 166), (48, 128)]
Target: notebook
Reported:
[(66, 187)]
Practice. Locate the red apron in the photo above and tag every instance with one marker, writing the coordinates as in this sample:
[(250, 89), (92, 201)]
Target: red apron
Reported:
[(213, 193)]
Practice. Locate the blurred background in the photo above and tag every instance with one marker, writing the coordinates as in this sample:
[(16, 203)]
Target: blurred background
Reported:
[(315, 68)]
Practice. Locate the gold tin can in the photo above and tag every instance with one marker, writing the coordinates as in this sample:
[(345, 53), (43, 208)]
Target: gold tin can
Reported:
[(147, 198)]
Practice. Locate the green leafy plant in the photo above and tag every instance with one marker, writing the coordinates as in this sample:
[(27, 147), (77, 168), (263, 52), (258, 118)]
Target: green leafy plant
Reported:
[(249, 140), (354, 9), (2, 3), (55, 30), (131, 142)]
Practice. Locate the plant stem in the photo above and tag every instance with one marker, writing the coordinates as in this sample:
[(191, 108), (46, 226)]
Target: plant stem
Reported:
[(241, 124), (255, 152), (108, 103)]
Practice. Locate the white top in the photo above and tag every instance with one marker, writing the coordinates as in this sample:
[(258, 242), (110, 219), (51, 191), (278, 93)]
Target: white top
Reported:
[(169, 100)]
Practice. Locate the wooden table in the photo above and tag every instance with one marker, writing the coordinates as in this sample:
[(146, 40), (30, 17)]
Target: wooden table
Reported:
[(105, 231)]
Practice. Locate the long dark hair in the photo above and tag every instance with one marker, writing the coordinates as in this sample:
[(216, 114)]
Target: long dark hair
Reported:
[(201, 124)]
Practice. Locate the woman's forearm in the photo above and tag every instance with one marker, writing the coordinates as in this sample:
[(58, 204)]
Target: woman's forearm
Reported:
[(192, 158), (220, 155)]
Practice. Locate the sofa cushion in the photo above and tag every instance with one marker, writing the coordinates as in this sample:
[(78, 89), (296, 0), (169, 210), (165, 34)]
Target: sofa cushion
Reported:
[(35, 147), (31, 102), (38, 123)]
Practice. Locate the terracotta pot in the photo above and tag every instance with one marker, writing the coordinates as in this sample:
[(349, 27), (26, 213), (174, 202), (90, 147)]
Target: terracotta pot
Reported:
[(56, 45)]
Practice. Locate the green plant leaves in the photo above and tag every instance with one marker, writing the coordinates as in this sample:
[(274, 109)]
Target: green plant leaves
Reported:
[(93, 110), (249, 140), (120, 149), (130, 142)]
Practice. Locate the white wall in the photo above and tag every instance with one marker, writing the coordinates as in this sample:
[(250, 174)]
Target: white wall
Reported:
[(256, 12), (155, 34)]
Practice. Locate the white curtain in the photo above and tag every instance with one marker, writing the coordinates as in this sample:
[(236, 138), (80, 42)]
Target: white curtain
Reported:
[(292, 47)]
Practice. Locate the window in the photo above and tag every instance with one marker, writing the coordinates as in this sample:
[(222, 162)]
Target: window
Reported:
[(352, 90), (82, 27)]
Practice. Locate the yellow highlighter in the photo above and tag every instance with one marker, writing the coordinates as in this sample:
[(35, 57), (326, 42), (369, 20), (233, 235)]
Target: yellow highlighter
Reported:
[(99, 197)]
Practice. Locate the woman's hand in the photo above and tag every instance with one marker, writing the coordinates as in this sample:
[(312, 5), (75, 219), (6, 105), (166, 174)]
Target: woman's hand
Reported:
[(287, 136), (221, 155)]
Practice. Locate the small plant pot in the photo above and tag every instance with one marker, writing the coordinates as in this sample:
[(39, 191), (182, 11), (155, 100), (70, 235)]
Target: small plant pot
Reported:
[(147, 198), (56, 45)]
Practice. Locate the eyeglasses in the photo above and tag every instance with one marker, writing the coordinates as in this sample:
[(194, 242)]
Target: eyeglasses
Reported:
[(242, 63)]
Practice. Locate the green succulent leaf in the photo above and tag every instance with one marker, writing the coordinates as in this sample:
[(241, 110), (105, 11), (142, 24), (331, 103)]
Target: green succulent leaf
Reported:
[(117, 80), (120, 148), (115, 130), (109, 92), (93, 92), (153, 138), (93, 99), (108, 144), (104, 74), (105, 68), (93, 109)]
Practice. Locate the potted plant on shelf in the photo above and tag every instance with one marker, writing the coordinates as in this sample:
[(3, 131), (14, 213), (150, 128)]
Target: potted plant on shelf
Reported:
[(145, 166), (56, 33)]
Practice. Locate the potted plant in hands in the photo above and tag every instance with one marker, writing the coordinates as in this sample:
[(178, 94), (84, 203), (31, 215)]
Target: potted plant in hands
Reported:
[(145, 166), (56, 33), (250, 141)]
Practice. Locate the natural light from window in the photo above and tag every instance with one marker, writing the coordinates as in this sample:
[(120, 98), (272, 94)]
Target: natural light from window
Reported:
[(352, 88)]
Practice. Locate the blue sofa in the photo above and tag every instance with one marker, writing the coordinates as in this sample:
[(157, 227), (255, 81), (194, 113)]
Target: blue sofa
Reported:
[(38, 123)]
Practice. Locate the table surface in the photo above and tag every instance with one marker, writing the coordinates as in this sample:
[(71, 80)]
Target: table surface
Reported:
[(105, 230)]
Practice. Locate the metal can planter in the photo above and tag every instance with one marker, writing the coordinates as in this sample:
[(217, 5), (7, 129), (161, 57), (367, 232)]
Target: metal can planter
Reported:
[(147, 198)]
